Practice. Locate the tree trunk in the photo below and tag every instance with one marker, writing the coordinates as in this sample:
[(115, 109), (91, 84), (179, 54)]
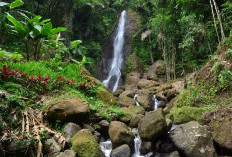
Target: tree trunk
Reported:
[(219, 18), (214, 21), (152, 60)]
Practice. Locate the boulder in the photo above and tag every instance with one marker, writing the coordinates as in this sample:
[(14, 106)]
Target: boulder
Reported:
[(153, 125), (106, 96), (118, 92), (169, 123), (135, 120), (221, 129), (120, 134), (104, 124), (172, 154), (125, 101), (156, 71), (132, 80), (130, 112), (67, 153), (129, 93), (145, 101), (70, 130), (18, 145), (97, 136), (145, 84), (86, 126), (68, 110), (146, 147), (85, 145), (52, 148), (193, 140), (121, 151)]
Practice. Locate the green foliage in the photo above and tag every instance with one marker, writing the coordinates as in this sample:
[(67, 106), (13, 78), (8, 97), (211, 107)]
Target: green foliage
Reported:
[(225, 78), (33, 31), (7, 56)]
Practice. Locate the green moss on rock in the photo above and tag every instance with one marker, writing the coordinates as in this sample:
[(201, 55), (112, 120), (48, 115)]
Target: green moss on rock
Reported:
[(106, 96), (185, 114), (84, 143)]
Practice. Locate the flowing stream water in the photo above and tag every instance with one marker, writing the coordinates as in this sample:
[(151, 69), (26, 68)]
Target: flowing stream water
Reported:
[(106, 147), (116, 66)]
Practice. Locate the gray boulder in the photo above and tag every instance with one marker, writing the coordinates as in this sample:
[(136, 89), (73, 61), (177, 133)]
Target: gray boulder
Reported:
[(121, 151), (70, 130), (193, 140), (152, 125)]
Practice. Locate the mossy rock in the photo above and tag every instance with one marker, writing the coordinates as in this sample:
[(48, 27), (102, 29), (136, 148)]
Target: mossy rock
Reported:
[(152, 125), (106, 96), (84, 143), (185, 114), (125, 101), (131, 112)]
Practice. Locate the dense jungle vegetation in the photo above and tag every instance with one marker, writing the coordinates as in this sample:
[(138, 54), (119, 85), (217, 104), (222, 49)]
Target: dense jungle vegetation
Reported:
[(49, 51)]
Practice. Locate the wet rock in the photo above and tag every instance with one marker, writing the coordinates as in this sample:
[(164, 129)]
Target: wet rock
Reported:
[(120, 134), (193, 140), (118, 91), (146, 147), (135, 120), (172, 154), (121, 151), (145, 84), (132, 80), (221, 129), (68, 110), (156, 71), (67, 153), (86, 126), (145, 101), (162, 104), (169, 123), (70, 130), (84, 143), (125, 101), (153, 125), (164, 145), (104, 124), (106, 96), (97, 136), (52, 148)]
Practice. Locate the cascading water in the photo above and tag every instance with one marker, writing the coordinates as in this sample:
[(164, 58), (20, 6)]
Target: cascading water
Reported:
[(116, 66), (135, 98), (106, 147), (156, 102)]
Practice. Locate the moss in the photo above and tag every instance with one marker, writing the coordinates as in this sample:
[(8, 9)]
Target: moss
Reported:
[(106, 96), (84, 143), (183, 98), (185, 114), (130, 112)]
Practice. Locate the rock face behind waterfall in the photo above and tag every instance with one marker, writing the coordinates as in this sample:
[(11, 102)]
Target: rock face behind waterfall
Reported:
[(132, 24)]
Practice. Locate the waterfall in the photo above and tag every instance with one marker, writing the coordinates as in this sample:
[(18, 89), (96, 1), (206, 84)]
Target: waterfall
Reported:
[(116, 66), (106, 147), (156, 102), (135, 98)]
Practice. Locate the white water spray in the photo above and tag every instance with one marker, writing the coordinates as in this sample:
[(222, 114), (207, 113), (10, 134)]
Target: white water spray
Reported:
[(117, 62), (106, 147), (135, 98), (156, 102)]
